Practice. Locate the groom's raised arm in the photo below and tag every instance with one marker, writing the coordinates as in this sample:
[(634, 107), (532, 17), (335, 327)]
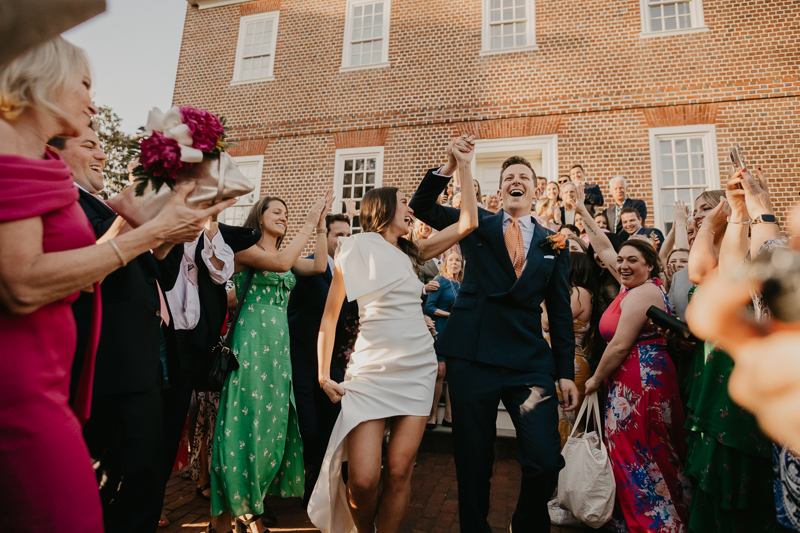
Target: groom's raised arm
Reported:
[(424, 202)]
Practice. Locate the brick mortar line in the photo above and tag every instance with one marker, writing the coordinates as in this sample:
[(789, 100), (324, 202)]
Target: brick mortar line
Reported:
[(439, 122)]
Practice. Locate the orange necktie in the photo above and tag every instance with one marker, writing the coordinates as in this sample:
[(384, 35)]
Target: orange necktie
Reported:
[(516, 250)]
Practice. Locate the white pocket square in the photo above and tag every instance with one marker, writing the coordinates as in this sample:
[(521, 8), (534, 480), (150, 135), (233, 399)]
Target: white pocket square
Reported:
[(549, 257)]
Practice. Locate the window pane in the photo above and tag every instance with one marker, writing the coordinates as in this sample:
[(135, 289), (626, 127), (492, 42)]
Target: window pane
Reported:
[(495, 15), (520, 40), (665, 147), (508, 42), (357, 11), (376, 57), (685, 21), (656, 25), (348, 164), (370, 178), (356, 35), (348, 178), (667, 178), (683, 8), (379, 7), (495, 4), (378, 20), (670, 23), (666, 162), (697, 161), (685, 195), (367, 11), (699, 177), (508, 14), (520, 13), (359, 178), (356, 23), (683, 177), (359, 164), (496, 44), (358, 192), (371, 164), (508, 3), (346, 192), (508, 29), (680, 146), (696, 145), (495, 31), (681, 162), (367, 33)]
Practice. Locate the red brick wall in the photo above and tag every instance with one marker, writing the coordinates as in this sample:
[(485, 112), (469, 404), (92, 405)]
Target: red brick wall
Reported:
[(594, 81)]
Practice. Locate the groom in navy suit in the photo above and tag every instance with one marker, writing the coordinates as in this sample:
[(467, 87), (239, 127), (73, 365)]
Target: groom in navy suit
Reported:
[(495, 349)]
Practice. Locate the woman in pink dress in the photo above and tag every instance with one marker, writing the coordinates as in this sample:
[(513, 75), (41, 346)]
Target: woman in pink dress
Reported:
[(48, 256)]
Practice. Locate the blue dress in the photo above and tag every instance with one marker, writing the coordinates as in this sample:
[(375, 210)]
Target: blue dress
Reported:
[(443, 299)]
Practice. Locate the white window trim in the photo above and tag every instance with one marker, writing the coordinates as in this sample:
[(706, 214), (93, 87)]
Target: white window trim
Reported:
[(698, 23), (486, 40), (338, 173), (709, 132), (548, 144), (348, 32), (237, 69), (259, 160)]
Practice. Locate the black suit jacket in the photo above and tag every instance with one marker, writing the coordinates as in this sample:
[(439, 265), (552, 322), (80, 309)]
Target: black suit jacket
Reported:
[(594, 196), (128, 354), (611, 213), (497, 317), (193, 358), (306, 306)]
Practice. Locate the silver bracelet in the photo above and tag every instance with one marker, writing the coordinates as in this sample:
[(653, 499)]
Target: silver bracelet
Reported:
[(743, 223)]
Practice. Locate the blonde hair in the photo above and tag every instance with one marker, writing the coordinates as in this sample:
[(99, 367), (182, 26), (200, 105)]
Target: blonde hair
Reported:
[(443, 266), (39, 77)]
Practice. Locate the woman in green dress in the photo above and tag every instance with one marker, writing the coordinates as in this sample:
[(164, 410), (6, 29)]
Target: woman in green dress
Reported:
[(729, 457), (258, 450)]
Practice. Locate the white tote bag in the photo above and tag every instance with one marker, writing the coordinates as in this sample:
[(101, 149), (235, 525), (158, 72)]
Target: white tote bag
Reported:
[(586, 485)]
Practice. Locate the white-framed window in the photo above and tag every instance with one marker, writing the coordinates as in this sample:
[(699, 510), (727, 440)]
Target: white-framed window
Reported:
[(508, 26), (252, 167), (541, 152), (366, 34), (255, 51), (358, 170), (683, 162), (668, 17)]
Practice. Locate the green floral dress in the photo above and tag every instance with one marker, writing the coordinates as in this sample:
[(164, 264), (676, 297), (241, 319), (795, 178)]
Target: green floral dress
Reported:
[(729, 457), (258, 450)]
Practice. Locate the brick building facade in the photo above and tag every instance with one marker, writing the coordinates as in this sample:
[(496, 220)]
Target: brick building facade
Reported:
[(319, 93)]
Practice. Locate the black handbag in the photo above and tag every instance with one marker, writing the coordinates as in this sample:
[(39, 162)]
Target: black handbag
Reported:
[(223, 360)]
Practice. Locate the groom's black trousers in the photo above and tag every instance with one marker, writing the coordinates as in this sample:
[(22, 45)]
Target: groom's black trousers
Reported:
[(475, 392)]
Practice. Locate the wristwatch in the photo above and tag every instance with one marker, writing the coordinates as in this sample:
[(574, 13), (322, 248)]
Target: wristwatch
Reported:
[(766, 219)]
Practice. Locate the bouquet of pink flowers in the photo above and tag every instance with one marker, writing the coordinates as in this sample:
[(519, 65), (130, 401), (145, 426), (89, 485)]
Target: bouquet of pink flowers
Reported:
[(183, 144), (173, 142)]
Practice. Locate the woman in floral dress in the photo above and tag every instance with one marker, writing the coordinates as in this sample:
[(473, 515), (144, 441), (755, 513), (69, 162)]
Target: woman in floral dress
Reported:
[(257, 449), (644, 418)]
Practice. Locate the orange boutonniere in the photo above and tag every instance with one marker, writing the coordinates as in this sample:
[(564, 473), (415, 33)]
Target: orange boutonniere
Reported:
[(554, 243)]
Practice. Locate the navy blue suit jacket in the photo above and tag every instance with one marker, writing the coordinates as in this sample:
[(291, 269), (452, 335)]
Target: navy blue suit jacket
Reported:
[(306, 306), (594, 196), (497, 318), (615, 225), (128, 353)]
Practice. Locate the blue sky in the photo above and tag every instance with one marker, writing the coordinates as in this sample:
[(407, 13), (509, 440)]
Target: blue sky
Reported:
[(134, 49)]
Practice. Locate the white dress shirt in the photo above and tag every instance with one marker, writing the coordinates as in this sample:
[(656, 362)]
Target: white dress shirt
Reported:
[(525, 225), (331, 264), (184, 298)]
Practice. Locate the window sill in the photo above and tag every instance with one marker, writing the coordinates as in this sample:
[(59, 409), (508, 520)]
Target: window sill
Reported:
[(365, 67), (532, 47), (668, 33), (256, 80)]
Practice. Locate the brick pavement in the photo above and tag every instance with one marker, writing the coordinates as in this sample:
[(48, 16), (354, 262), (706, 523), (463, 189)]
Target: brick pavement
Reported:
[(433, 508)]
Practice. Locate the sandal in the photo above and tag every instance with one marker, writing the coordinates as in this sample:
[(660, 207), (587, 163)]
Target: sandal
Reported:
[(201, 489), (163, 522), (267, 518)]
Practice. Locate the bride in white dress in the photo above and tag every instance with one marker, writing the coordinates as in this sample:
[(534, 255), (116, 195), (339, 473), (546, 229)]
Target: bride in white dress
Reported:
[(389, 382)]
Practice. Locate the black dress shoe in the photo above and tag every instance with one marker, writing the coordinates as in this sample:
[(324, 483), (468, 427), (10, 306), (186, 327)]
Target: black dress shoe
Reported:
[(429, 427), (447, 424), (267, 518)]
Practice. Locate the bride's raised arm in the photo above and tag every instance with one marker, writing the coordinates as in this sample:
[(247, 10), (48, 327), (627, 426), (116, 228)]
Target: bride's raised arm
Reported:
[(463, 151)]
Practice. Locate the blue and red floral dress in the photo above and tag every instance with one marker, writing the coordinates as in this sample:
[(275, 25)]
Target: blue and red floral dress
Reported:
[(644, 428)]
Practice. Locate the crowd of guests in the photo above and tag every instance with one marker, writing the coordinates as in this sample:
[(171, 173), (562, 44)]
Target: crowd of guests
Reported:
[(127, 318)]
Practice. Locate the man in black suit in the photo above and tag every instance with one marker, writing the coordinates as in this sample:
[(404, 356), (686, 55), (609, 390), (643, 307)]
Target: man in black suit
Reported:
[(632, 225), (315, 412), (619, 191), (593, 194), (126, 425), (495, 350)]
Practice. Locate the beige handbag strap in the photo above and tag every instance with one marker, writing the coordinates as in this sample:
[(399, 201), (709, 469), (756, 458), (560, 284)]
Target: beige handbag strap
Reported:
[(589, 402)]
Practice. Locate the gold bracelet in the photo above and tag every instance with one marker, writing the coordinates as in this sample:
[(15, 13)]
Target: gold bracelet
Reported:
[(322, 231), (308, 235), (119, 252)]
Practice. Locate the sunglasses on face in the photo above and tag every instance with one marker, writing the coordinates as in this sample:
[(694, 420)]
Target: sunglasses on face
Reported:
[(562, 182)]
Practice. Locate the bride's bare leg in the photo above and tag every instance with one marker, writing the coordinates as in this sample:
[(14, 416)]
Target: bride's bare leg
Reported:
[(364, 472), (404, 442)]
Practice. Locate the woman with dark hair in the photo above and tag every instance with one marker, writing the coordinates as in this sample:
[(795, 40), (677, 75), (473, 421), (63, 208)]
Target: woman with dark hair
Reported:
[(584, 320), (644, 417), (258, 450), (607, 284), (390, 381)]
